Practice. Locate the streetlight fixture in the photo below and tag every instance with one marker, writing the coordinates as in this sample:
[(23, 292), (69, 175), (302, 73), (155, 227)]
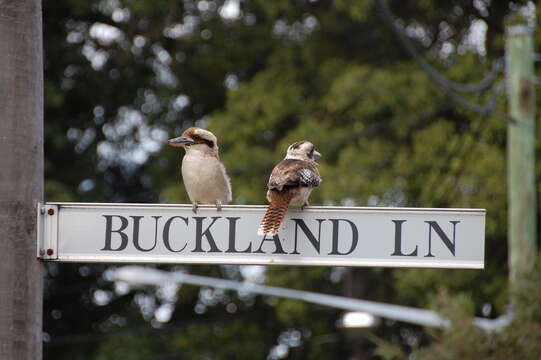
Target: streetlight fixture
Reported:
[(358, 319)]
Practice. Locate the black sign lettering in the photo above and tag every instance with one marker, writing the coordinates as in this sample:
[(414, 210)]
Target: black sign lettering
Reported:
[(136, 222), (335, 236), (315, 242), (199, 233), (232, 237), (166, 229), (398, 240), (450, 245), (109, 231), (277, 245)]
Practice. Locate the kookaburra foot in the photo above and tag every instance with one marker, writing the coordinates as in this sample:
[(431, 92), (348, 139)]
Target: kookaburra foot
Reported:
[(218, 205), (305, 205), (194, 207)]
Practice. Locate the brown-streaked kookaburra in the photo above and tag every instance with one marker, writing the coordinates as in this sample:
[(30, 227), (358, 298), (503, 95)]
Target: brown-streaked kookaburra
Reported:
[(204, 176), (291, 181)]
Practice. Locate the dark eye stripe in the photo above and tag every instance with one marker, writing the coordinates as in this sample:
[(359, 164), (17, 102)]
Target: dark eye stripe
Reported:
[(200, 140)]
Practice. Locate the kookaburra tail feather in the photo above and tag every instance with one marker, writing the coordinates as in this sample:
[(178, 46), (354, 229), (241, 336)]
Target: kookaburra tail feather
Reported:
[(274, 216)]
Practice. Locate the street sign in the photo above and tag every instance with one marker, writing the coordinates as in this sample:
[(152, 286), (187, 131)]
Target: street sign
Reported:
[(318, 235)]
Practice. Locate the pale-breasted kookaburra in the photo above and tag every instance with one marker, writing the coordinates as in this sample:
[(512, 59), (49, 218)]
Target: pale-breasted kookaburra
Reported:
[(291, 181), (204, 176)]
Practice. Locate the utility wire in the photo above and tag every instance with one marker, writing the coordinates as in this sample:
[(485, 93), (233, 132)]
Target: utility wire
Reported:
[(483, 84), (447, 85)]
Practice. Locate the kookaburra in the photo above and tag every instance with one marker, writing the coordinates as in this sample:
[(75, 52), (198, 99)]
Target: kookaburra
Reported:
[(291, 181), (203, 174)]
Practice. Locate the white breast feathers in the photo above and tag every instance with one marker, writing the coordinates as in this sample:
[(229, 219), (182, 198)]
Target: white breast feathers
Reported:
[(205, 179)]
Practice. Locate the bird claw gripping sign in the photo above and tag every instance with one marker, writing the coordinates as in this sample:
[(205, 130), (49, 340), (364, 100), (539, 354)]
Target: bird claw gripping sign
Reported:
[(333, 236)]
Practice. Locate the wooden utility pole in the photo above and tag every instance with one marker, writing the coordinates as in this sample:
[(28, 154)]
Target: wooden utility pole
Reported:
[(21, 178), (520, 148)]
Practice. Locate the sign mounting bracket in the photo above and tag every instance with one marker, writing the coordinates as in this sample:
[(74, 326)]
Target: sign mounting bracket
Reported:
[(47, 231)]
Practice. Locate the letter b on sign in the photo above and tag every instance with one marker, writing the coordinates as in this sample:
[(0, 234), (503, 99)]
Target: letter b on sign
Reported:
[(109, 232)]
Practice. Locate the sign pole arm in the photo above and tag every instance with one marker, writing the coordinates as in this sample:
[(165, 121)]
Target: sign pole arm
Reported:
[(21, 178), (520, 148)]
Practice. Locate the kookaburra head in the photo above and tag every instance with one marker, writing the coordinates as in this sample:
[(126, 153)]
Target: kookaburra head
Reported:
[(195, 139), (302, 150)]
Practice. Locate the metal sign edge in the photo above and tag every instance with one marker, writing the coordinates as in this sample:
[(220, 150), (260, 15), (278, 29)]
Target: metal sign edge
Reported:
[(256, 261), (478, 211)]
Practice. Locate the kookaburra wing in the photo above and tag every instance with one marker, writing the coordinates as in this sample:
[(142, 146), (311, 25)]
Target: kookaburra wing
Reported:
[(291, 181), (203, 174)]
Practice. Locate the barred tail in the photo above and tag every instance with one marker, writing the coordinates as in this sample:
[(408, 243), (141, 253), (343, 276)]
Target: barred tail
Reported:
[(279, 203)]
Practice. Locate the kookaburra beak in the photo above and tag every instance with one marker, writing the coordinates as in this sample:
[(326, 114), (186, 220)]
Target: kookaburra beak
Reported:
[(180, 141), (316, 155)]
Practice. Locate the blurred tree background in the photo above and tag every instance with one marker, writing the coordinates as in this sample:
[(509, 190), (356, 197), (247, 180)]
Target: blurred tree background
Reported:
[(122, 76)]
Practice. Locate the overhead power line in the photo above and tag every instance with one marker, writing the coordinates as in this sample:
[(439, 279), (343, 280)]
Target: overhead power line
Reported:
[(483, 84), (449, 86)]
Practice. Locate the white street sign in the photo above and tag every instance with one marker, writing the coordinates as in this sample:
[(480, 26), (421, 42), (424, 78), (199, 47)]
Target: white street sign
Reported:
[(319, 235)]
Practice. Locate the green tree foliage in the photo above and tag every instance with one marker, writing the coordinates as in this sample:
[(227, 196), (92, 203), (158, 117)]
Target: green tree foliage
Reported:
[(521, 339), (124, 75)]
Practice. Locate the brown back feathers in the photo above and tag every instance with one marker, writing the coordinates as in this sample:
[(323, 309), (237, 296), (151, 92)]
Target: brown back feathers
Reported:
[(292, 172), (284, 184)]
